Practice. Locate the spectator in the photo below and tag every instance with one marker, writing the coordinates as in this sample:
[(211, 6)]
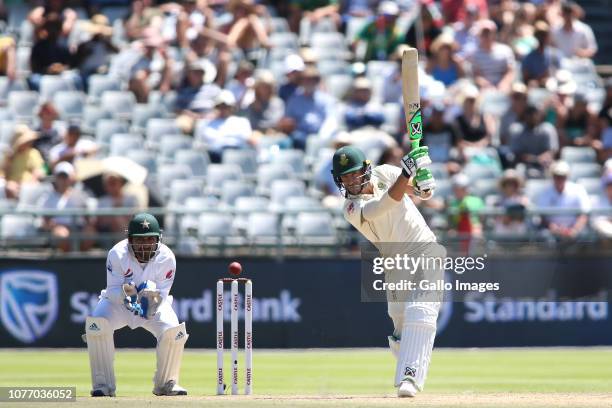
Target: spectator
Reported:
[(247, 32), (577, 128), (514, 202), (50, 54), (519, 33), (470, 123), (382, 35), (38, 16), (533, 141), (152, 71), (361, 110), (210, 49), (225, 130), (65, 197), (192, 18), (605, 124), (242, 82), (294, 66), (515, 112), (464, 10), (8, 61), (492, 62), (444, 65), (23, 163), (541, 63), (142, 15), (93, 56), (441, 138), (114, 197), (574, 38), (49, 130), (602, 223), (72, 148), (266, 109), (463, 30), (307, 110), (195, 98), (391, 93), (564, 194), (313, 10), (430, 27), (464, 208)]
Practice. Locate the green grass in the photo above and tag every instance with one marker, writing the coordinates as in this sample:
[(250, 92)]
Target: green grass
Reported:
[(343, 372)]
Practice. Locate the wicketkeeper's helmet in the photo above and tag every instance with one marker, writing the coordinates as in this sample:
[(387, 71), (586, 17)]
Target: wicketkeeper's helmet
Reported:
[(144, 225)]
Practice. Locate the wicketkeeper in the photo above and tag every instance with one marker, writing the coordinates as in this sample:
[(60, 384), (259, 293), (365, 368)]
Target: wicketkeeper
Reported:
[(140, 271), (377, 206)]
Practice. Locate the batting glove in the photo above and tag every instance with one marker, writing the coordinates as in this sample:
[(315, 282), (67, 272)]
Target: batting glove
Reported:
[(424, 184), (417, 159)]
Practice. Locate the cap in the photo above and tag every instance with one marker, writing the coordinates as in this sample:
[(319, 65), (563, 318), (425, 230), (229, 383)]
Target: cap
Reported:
[(486, 25), (511, 175), (519, 88), (388, 8), (293, 63), (196, 65), (144, 225), (22, 135), (225, 97), (346, 160), (362, 83), (470, 92), (64, 168), (460, 180), (560, 168), (311, 72)]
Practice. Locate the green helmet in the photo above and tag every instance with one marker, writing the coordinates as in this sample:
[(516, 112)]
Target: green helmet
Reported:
[(144, 225), (349, 159)]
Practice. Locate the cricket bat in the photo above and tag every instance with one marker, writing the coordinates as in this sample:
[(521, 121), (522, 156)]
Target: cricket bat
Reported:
[(412, 98)]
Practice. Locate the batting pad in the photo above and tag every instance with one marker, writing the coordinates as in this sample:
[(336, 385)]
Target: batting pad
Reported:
[(169, 355), (101, 350), (416, 343)]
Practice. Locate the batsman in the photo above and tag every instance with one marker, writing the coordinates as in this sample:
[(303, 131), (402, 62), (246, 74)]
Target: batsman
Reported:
[(378, 207), (140, 271)]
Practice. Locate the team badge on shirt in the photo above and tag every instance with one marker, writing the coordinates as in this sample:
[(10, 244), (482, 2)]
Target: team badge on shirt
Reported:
[(169, 274), (351, 208)]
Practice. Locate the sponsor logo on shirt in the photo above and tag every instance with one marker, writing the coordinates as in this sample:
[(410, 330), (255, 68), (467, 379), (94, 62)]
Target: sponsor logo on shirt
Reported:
[(128, 273), (169, 274)]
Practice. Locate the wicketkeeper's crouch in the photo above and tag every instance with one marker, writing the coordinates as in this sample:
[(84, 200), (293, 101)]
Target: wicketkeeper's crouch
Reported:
[(377, 207), (140, 271)]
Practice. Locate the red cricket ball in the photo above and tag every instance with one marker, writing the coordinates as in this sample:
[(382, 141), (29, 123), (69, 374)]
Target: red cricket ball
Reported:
[(235, 268)]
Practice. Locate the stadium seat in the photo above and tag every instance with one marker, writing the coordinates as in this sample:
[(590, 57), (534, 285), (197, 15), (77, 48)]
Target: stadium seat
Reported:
[(70, 104), (158, 127), (280, 190), (196, 160), (268, 173), (170, 144), (141, 115), (315, 228), (22, 58), (291, 157), (15, 226), (485, 187), (214, 228), (444, 189), (331, 67), (218, 174), (118, 103), (284, 40), (278, 25), (233, 189), (393, 113), (51, 84), (7, 128), (189, 222), (438, 170), (572, 154), (294, 205), (245, 158), (98, 84), (354, 26), (582, 170), (328, 40), (30, 194), (478, 171), (338, 85), (245, 205), (145, 158), (166, 173), (592, 185), (122, 142), (7, 86), (494, 102), (379, 69), (23, 104), (105, 128), (181, 190), (535, 187), (263, 228), (91, 115)]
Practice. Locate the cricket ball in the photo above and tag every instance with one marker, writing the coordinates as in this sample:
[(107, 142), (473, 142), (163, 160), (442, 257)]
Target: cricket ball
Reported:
[(235, 268)]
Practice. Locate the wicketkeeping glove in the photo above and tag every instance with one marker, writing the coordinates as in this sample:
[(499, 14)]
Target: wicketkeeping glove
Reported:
[(424, 182), (417, 159)]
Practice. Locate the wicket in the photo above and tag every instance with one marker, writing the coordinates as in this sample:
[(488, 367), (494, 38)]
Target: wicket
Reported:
[(248, 334)]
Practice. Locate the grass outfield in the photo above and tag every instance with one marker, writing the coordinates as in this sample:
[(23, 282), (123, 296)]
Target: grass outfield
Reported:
[(340, 377)]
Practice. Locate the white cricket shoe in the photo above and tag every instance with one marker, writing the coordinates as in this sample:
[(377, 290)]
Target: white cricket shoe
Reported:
[(407, 389), (171, 388)]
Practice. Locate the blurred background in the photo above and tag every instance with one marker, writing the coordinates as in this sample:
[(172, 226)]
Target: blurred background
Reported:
[(221, 118)]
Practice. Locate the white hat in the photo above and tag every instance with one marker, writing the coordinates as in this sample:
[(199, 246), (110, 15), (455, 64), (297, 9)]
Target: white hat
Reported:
[(460, 180), (225, 97), (389, 8), (293, 63), (560, 168), (65, 168)]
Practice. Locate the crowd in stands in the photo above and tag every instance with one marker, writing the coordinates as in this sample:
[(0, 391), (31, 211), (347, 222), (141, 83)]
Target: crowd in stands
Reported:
[(230, 103)]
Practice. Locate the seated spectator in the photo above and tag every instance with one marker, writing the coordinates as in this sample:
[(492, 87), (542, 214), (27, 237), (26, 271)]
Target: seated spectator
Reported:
[(518, 32), (307, 110), (67, 16), (515, 112), (361, 110), (382, 35), (72, 148), (8, 61), (564, 194), (542, 62), (142, 15), (93, 56), (441, 138), (430, 26), (242, 82), (533, 141), (50, 54), (514, 203), (463, 28), (492, 62), (195, 98), (577, 128), (605, 124), (294, 66), (114, 197), (602, 223), (573, 38), (192, 18), (464, 208), (23, 163), (49, 130), (266, 109), (467, 12), (247, 32), (225, 130), (470, 123), (313, 11), (444, 65), (65, 197), (210, 49), (152, 71), (511, 189)]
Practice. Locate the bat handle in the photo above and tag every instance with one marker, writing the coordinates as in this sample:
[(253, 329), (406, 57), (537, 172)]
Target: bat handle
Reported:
[(414, 144)]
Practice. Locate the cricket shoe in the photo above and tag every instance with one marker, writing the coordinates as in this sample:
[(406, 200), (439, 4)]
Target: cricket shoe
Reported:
[(102, 391), (407, 389), (170, 388)]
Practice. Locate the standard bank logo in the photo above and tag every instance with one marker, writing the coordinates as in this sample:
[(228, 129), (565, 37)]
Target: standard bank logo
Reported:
[(28, 303)]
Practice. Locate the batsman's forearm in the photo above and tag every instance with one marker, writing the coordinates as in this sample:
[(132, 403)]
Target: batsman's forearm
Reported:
[(376, 207)]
